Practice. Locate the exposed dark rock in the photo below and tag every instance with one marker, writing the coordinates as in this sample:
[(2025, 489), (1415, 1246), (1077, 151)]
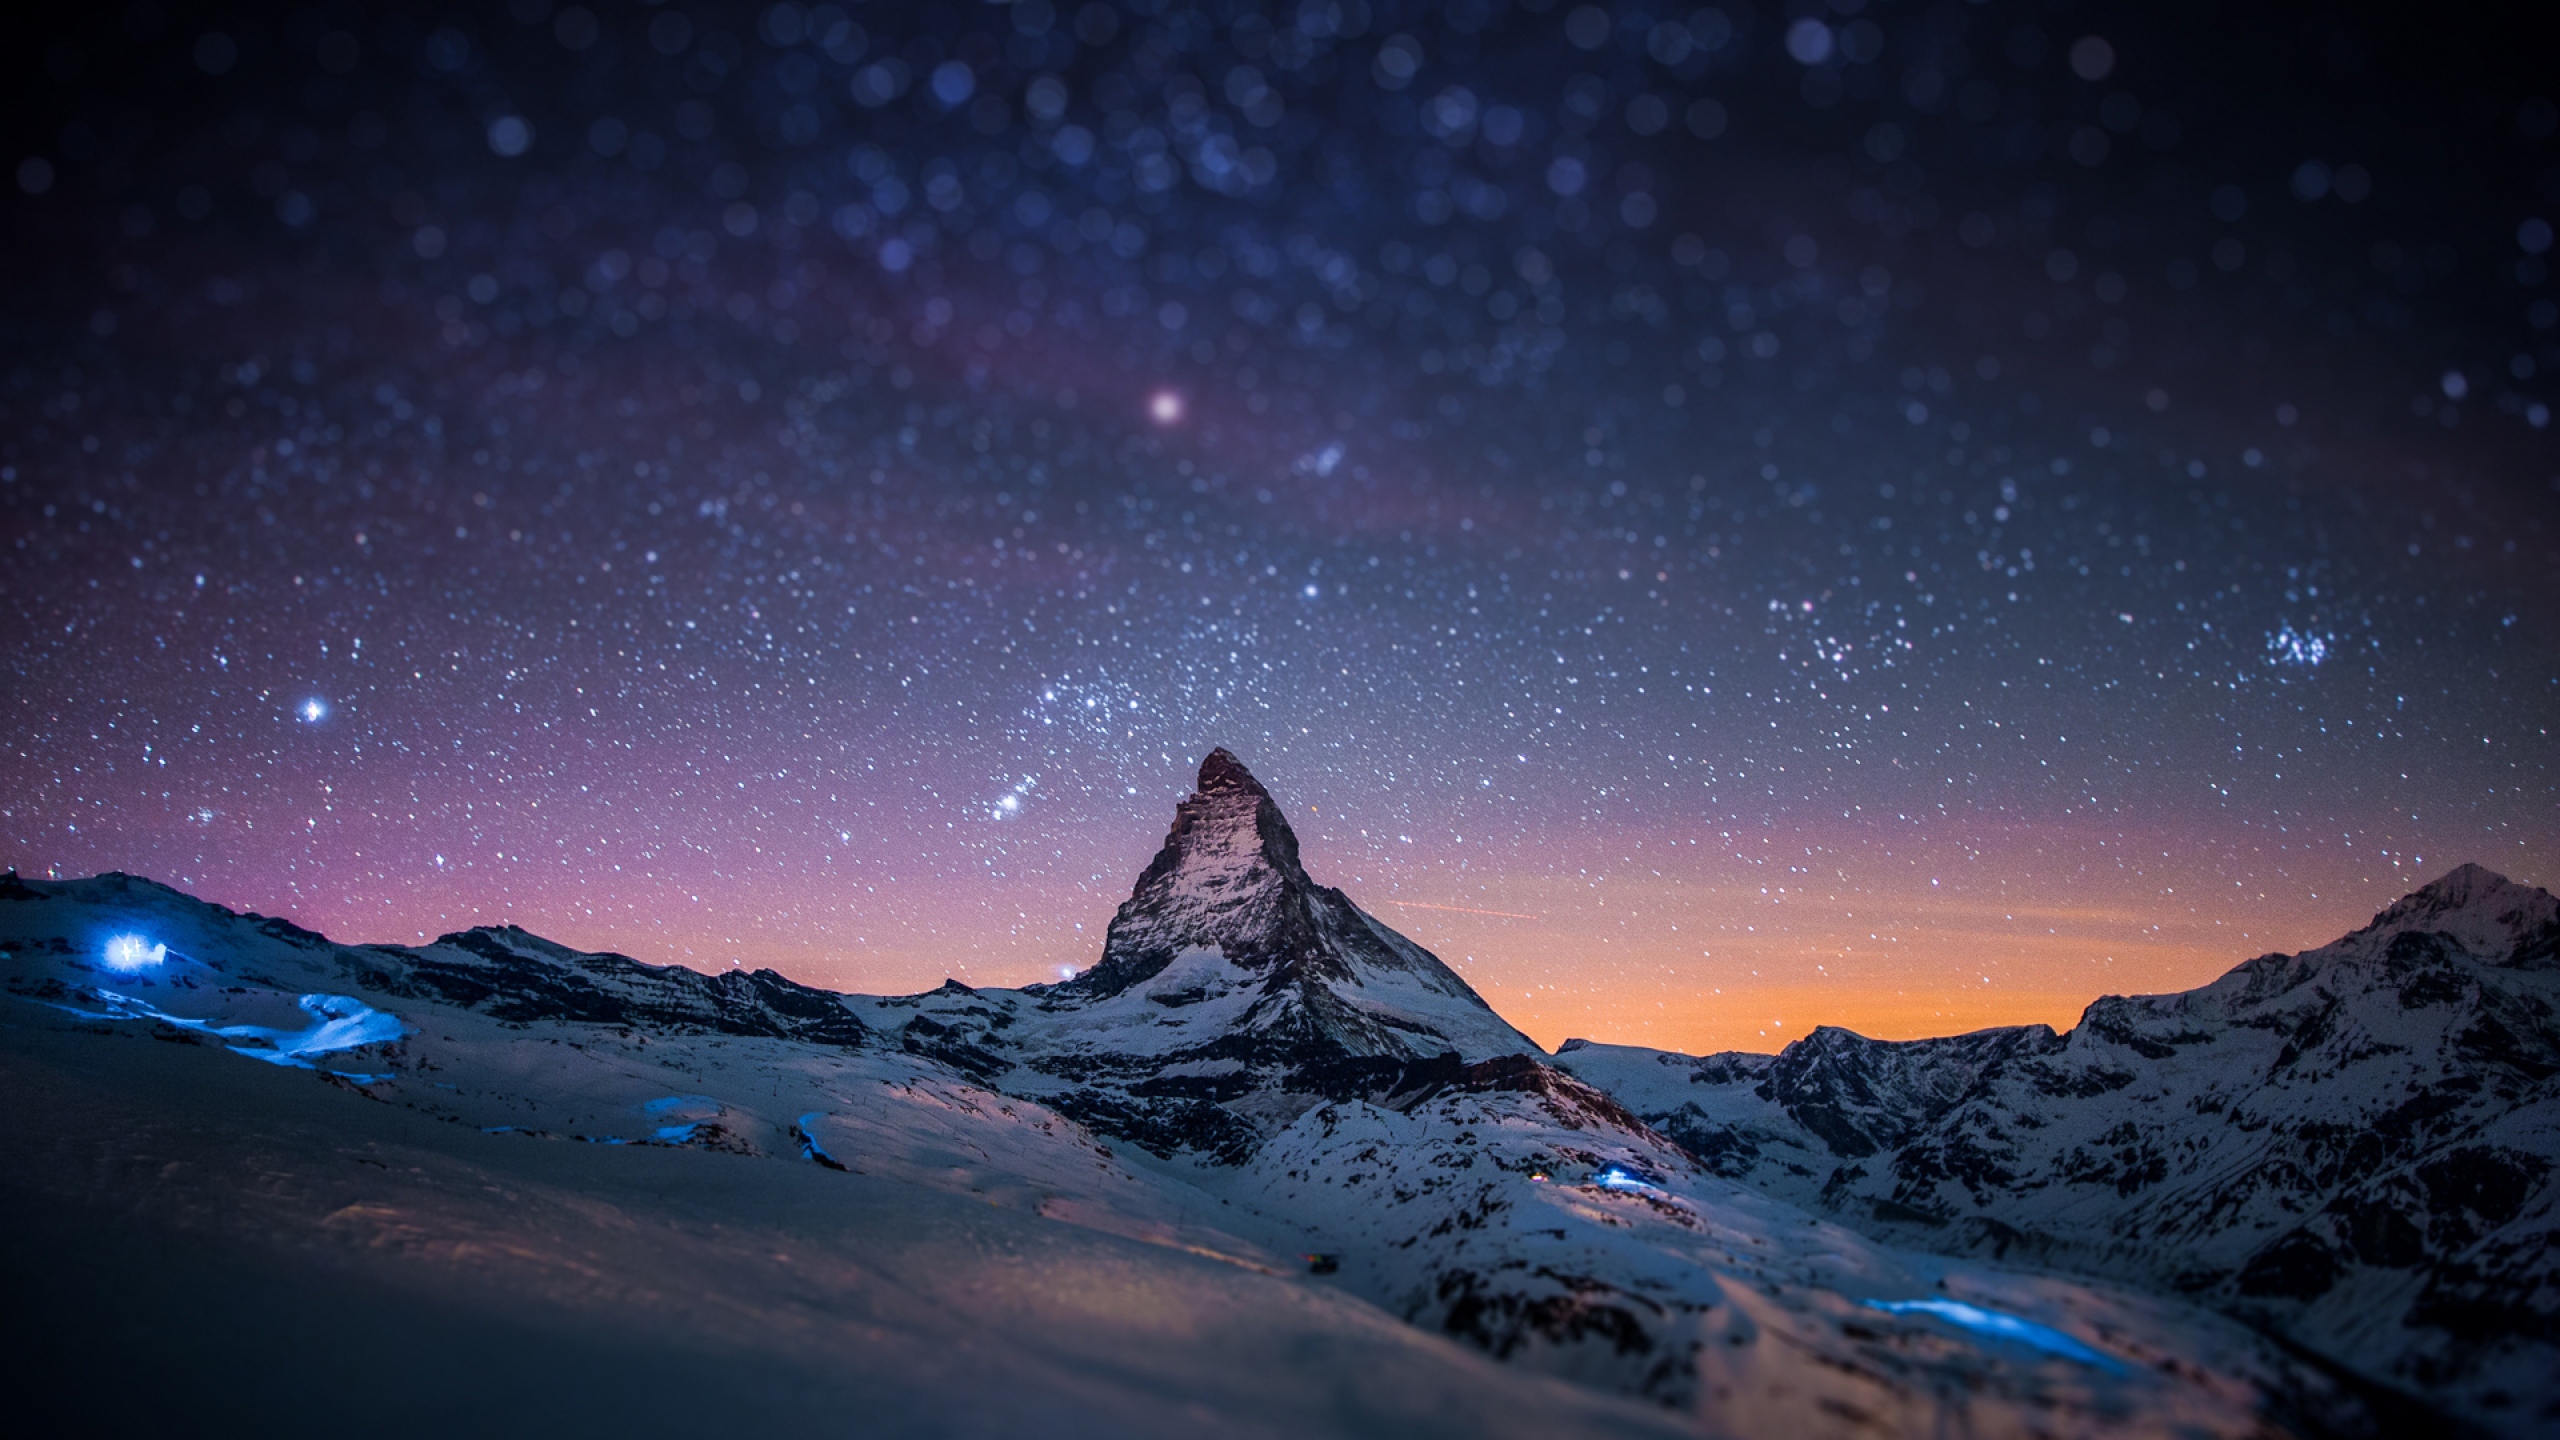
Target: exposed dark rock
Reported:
[(522, 978)]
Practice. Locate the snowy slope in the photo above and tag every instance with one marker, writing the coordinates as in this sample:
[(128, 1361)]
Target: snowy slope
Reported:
[(2354, 1145), (1531, 1215)]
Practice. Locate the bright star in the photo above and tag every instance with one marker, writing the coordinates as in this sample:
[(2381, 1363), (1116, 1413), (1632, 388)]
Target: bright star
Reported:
[(314, 711), (2288, 646), (1165, 406)]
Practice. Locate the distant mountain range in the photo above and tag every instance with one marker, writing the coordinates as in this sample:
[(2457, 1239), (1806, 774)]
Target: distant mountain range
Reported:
[(2352, 1147), (2314, 1197)]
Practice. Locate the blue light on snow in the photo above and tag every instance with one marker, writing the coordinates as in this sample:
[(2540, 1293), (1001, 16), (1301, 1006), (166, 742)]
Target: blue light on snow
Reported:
[(1626, 1182), (338, 1022), (809, 1147), (130, 953), (684, 1114), (682, 1105), (2003, 1327)]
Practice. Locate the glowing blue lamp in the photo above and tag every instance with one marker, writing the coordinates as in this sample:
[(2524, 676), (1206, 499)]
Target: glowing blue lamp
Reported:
[(128, 954)]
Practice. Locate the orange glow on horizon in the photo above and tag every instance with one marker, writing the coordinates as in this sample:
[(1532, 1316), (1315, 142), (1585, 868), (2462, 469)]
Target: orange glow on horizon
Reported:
[(1622, 937)]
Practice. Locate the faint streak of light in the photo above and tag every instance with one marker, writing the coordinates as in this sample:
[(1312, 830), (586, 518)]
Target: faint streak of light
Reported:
[(1463, 910)]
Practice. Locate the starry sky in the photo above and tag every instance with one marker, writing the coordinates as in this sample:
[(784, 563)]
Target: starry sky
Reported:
[(1715, 518)]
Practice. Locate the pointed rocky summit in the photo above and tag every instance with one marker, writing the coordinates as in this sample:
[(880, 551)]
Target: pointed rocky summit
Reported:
[(1226, 909), (1227, 879)]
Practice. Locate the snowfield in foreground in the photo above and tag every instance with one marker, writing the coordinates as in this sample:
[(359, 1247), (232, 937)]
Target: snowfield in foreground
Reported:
[(1268, 1167)]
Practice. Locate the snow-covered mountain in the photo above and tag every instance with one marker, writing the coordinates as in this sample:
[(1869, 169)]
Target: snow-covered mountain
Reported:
[(2353, 1146), (1262, 1112), (1233, 993)]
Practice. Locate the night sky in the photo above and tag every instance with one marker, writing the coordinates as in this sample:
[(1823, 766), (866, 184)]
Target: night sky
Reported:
[(1715, 519)]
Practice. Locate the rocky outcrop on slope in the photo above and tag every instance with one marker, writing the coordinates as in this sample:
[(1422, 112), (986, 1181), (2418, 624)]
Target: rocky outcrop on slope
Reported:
[(2354, 1146)]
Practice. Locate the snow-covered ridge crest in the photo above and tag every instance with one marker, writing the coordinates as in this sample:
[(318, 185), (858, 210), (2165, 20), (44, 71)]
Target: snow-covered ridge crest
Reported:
[(2481, 909)]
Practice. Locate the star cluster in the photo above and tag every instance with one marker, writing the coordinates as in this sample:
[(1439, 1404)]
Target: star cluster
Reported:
[(1717, 521)]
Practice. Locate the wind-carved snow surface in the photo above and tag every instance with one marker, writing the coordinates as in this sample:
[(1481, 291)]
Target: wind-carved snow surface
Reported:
[(1257, 1073)]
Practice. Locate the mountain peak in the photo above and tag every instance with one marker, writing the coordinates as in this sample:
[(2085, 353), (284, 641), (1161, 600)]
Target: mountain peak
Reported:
[(2484, 910), (1226, 908), (2461, 885), (1227, 835), (1224, 881), (2465, 888), (1222, 773)]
